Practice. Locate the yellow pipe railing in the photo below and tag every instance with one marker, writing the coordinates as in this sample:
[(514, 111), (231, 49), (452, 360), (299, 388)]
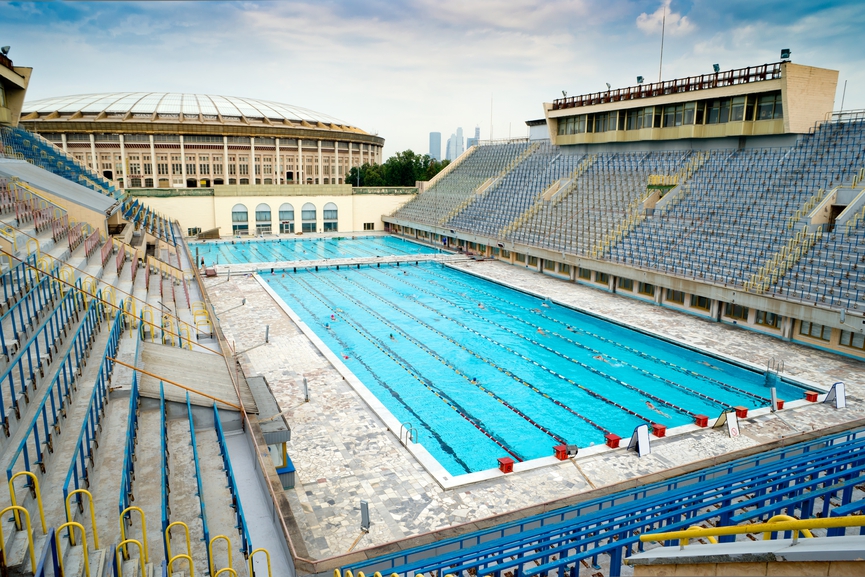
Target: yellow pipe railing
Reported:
[(120, 556), (267, 555), (168, 543), (17, 508), (188, 559), (229, 569), (767, 535), (227, 548), (13, 498), (73, 525), (69, 517), (795, 526), (143, 531)]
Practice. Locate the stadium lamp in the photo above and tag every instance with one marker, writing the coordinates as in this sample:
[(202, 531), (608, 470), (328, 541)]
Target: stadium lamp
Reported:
[(785, 54), (608, 86), (716, 67), (639, 79), (5, 50), (564, 93)]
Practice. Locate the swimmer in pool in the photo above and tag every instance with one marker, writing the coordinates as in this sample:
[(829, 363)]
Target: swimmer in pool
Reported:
[(333, 317), (545, 305), (541, 332), (392, 337), (710, 365), (474, 381), (481, 306), (570, 328), (536, 311), (656, 409), (601, 358)]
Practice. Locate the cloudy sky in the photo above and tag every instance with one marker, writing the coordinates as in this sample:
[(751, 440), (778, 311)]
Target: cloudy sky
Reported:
[(404, 69)]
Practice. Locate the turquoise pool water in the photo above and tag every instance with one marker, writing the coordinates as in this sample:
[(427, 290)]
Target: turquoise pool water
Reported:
[(275, 250), (482, 371)]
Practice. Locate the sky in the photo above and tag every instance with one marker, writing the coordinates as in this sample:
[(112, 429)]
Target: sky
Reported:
[(403, 69)]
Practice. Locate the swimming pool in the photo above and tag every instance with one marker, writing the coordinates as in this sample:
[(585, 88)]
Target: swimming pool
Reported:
[(482, 371), (290, 249)]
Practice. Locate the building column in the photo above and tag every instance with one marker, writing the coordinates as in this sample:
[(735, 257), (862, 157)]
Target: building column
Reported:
[(335, 161), (122, 162), (360, 153), (298, 174), (252, 159), (320, 165), (278, 169), (95, 163), (63, 140), (182, 161), (225, 169), (154, 166), (350, 144)]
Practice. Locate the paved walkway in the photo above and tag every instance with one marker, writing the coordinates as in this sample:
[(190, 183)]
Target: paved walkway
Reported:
[(343, 452)]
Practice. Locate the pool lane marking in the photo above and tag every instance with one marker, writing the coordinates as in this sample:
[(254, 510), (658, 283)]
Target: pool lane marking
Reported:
[(560, 354), (448, 364), (610, 341), (406, 366), (507, 372), (395, 394)]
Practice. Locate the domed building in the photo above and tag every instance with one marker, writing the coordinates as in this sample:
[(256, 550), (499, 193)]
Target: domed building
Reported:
[(170, 140)]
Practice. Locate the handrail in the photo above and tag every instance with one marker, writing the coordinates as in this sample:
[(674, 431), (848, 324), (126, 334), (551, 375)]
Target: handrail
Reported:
[(163, 466), (242, 527), (143, 531), (795, 526), (70, 517), (188, 559), (72, 526), (17, 508), (38, 494), (51, 547), (210, 551), (267, 555), (129, 448), (118, 556), (199, 484)]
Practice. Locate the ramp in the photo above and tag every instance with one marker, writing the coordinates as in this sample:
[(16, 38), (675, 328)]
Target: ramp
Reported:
[(203, 372)]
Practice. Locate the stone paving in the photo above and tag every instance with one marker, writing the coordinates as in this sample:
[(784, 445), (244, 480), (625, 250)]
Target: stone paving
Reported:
[(343, 453)]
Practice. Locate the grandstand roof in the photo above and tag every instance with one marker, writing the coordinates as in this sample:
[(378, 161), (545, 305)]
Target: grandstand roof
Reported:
[(207, 108), (57, 185)]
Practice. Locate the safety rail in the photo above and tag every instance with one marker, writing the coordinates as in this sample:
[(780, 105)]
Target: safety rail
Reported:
[(105, 253), (128, 471), (33, 356), (791, 525), (75, 236), (59, 227), (198, 481), (18, 278), (28, 308), (48, 563), (789, 254), (84, 446), (164, 268), (52, 409), (240, 519), (800, 475), (91, 243)]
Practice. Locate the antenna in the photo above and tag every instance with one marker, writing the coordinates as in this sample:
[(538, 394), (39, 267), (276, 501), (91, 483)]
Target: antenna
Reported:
[(5, 50), (663, 29), (491, 116)]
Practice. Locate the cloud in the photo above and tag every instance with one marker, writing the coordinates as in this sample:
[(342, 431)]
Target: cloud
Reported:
[(674, 25)]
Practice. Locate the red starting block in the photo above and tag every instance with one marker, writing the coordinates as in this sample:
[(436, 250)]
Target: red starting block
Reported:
[(506, 465)]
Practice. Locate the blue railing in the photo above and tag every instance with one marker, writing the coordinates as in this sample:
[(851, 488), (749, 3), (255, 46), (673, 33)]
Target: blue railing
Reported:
[(23, 314), (48, 564), (52, 409), (78, 473), (163, 465), (22, 372), (245, 545), (18, 278), (766, 483), (198, 479), (131, 438)]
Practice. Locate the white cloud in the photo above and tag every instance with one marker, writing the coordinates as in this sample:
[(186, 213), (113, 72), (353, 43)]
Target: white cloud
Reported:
[(675, 23)]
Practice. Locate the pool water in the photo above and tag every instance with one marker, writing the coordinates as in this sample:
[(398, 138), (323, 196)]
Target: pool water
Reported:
[(275, 250), (482, 371)]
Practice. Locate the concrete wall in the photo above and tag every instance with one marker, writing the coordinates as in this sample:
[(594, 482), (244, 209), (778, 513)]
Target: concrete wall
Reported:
[(828, 568), (808, 95)]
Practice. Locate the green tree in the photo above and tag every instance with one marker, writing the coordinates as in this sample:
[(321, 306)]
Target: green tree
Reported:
[(402, 169)]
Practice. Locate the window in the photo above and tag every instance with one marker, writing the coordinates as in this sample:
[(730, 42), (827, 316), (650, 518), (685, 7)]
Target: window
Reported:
[(813, 330), (564, 269), (307, 214), (549, 265), (602, 278), (626, 284), (677, 297), (769, 106), (329, 216), (192, 231), (572, 125), (162, 168), (699, 302), (646, 289), (217, 169), (176, 168), (533, 261), (735, 311), (369, 226), (190, 168), (768, 319), (584, 273), (852, 340), (286, 219), (506, 253), (203, 169), (134, 168), (244, 170), (520, 257), (639, 118), (737, 109), (262, 213), (239, 213)]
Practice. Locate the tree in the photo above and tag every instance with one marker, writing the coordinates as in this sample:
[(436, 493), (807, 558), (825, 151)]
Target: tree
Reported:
[(402, 169)]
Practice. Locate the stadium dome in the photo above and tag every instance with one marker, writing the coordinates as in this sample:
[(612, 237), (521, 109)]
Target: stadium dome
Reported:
[(179, 140)]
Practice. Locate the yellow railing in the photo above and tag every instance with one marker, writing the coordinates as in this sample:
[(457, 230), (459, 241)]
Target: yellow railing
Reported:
[(806, 208), (119, 556), (783, 260), (13, 498), (227, 549), (18, 508), (187, 556), (143, 532), (70, 518), (796, 526), (72, 526), (267, 555)]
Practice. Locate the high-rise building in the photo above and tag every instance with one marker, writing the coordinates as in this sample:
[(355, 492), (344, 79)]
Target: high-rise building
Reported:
[(460, 143), (435, 145), (455, 145), (473, 141)]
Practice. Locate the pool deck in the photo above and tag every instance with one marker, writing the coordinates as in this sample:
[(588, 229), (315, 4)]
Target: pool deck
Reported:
[(344, 453)]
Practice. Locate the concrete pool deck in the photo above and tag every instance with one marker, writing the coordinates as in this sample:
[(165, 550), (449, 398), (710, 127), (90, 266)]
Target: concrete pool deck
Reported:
[(344, 453)]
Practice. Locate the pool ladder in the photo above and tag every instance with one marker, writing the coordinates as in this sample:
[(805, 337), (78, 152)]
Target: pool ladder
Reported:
[(407, 432)]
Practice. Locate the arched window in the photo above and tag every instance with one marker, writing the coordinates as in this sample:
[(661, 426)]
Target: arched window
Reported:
[(307, 215), (239, 219), (330, 215), (286, 219), (262, 219)]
